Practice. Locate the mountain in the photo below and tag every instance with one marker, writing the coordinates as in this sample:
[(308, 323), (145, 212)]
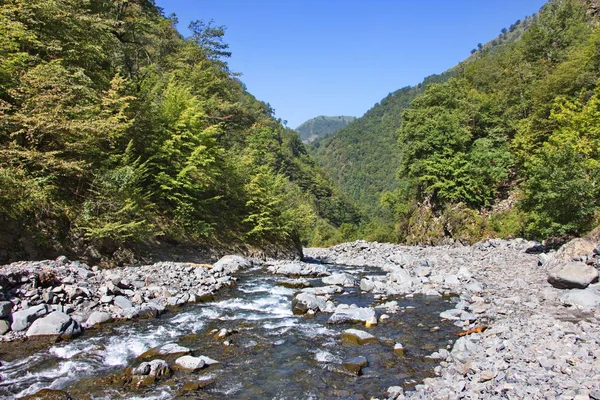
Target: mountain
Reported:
[(119, 136), (500, 145), (321, 126)]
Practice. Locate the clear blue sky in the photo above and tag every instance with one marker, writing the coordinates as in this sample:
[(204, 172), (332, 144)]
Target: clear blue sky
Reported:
[(340, 57)]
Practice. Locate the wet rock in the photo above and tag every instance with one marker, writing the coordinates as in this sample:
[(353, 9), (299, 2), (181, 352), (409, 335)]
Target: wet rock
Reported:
[(584, 298), (189, 363), (308, 301), (573, 275), (355, 364), (165, 349), (346, 313), (156, 369), (341, 279), (398, 348), (55, 324), (97, 318), (48, 394), (357, 336), (23, 319), (299, 283)]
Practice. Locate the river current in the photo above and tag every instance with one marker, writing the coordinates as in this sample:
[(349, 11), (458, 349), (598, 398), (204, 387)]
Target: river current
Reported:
[(268, 351)]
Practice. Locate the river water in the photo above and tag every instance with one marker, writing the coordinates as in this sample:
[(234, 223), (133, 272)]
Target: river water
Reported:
[(270, 353)]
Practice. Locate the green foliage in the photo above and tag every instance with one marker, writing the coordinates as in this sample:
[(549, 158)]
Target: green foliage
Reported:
[(115, 129)]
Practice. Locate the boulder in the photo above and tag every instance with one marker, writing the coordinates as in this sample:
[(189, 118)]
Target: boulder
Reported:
[(98, 317), (232, 263), (355, 364), (341, 279), (583, 298), (572, 275), (307, 301), (48, 394), (24, 318), (122, 302), (155, 368), (299, 269), (189, 363), (165, 349), (55, 324), (357, 336), (346, 313)]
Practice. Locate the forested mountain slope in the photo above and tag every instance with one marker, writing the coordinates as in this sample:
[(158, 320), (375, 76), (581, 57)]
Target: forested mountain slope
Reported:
[(117, 133), (321, 126), (501, 145)]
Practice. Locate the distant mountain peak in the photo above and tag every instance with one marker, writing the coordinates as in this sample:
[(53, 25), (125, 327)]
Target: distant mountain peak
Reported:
[(321, 126)]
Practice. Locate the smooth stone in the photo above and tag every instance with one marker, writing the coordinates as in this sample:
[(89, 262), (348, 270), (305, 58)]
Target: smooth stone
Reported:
[(24, 318), (189, 363), (357, 336), (165, 349), (355, 364), (573, 275), (106, 299), (122, 302), (584, 298), (232, 263), (98, 317), (308, 301), (340, 279), (55, 324), (398, 348), (345, 313)]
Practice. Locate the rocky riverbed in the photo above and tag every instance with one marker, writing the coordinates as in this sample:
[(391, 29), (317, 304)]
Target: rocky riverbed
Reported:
[(538, 314), (530, 318)]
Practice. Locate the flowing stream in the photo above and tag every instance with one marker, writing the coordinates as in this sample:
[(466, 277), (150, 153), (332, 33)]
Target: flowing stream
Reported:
[(270, 353)]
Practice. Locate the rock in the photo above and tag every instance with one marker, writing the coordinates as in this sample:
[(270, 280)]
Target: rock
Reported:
[(358, 337), (98, 317), (106, 299), (122, 302), (584, 298), (4, 326), (573, 275), (299, 269), (366, 285), (451, 280), (345, 313), (355, 364), (189, 363), (307, 301), (453, 314), (165, 349), (232, 263), (5, 309), (23, 319), (342, 279), (55, 324), (48, 394), (155, 368), (398, 348), (394, 392)]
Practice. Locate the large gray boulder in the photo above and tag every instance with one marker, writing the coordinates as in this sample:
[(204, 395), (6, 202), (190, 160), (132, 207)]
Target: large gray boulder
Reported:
[(341, 279), (308, 301), (97, 318), (55, 324), (231, 264), (24, 318), (572, 275), (346, 313), (300, 269), (122, 302), (583, 298), (189, 363)]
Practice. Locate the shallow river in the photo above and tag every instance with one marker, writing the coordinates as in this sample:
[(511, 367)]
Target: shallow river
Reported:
[(270, 354)]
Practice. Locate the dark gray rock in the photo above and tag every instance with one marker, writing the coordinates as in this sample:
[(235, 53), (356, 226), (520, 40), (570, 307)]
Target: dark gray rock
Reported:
[(355, 364), (5, 309)]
